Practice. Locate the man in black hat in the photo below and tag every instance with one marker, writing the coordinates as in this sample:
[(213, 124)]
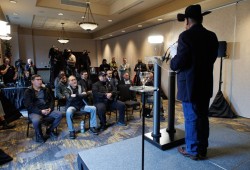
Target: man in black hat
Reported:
[(196, 54), (105, 96)]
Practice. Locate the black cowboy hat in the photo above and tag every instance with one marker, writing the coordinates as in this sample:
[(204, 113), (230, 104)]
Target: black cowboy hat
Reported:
[(192, 11)]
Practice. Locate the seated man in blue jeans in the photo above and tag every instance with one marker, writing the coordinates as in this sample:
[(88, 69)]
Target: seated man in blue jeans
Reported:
[(40, 104), (75, 95)]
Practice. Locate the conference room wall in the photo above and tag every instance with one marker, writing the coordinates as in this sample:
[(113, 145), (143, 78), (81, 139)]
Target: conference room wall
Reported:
[(27, 45), (230, 23)]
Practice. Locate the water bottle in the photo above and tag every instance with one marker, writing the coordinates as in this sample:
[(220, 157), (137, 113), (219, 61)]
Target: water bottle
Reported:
[(82, 127)]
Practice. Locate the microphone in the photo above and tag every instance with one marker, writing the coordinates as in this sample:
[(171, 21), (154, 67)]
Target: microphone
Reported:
[(165, 57)]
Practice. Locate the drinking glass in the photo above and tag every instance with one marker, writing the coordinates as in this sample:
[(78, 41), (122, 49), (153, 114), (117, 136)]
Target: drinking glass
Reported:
[(144, 78)]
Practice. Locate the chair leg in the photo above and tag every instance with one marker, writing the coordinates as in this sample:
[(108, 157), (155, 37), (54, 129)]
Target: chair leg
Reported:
[(28, 127), (116, 115), (127, 113)]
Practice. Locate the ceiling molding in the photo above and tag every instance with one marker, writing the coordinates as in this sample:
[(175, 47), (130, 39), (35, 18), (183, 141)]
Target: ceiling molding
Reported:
[(51, 33), (162, 9)]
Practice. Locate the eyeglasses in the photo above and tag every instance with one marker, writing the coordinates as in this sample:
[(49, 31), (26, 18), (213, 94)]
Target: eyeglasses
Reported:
[(38, 79)]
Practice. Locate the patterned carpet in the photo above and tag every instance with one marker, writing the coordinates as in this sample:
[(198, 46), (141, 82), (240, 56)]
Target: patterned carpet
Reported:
[(62, 153)]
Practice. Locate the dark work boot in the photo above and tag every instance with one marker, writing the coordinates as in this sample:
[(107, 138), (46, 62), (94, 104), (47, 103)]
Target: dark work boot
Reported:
[(51, 134), (5, 125), (40, 138)]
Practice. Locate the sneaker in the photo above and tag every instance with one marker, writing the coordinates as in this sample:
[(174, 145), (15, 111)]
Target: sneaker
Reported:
[(72, 135), (121, 124), (93, 130)]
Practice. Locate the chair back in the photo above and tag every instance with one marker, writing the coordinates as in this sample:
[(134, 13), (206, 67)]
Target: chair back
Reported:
[(125, 93)]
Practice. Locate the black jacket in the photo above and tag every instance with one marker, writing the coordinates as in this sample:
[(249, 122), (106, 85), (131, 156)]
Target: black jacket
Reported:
[(100, 89), (196, 53), (77, 101), (30, 99)]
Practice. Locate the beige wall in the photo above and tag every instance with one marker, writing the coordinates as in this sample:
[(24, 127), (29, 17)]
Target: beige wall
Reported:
[(230, 23), (27, 44)]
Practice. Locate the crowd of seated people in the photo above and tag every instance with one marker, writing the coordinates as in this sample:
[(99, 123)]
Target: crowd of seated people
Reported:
[(95, 98)]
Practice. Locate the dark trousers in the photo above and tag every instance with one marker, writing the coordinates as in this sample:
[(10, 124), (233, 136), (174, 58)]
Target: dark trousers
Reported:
[(110, 105), (37, 119)]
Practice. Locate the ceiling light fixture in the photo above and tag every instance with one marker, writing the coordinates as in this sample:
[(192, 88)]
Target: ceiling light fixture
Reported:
[(13, 1), (62, 39), (88, 23), (4, 31)]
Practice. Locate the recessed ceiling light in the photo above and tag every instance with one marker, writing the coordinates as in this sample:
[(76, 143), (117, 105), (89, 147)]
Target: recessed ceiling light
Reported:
[(13, 1), (139, 26), (110, 35), (82, 17), (123, 31), (14, 13), (159, 19), (110, 20), (60, 13)]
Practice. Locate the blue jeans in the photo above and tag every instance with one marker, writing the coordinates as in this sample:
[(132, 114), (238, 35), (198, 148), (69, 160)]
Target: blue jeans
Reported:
[(71, 110), (36, 120), (196, 126)]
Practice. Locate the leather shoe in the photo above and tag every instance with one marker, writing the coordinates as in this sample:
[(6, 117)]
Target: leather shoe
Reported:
[(5, 125), (93, 130), (40, 138), (182, 151), (121, 124), (102, 128), (51, 134), (72, 135)]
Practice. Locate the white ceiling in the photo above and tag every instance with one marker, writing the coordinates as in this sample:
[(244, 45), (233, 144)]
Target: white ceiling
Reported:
[(31, 15), (125, 14)]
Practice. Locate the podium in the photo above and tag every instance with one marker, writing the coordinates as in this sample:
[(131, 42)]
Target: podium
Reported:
[(171, 136)]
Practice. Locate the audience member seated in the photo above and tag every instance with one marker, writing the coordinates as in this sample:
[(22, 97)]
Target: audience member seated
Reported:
[(75, 102), (86, 84), (105, 97), (150, 96), (126, 81), (8, 72), (124, 67), (150, 66), (40, 104), (31, 67), (110, 79), (57, 79), (3, 123), (27, 79), (113, 64), (139, 67), (60, 90), (115, 77), (104, 66)]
